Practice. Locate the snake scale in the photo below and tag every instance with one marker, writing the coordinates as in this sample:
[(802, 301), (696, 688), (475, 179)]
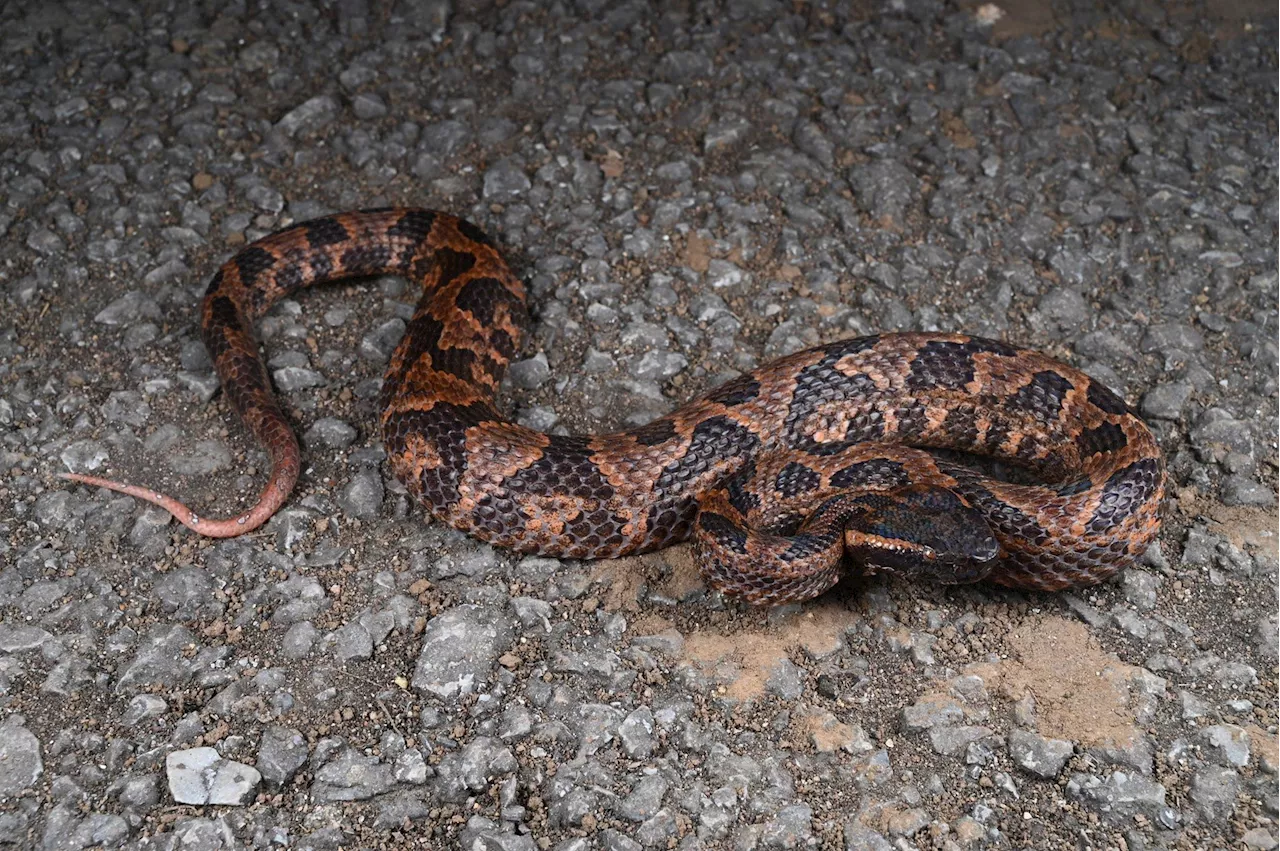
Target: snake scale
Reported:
[(777, 476)]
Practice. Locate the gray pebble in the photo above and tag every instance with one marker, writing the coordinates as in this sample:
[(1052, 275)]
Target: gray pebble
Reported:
[(206, 456), (159, 660), (483, 834), (1172, 336), (684, 67), (351, 776), (531, 373), (792, 827), (140, 793), (351, 641), (22, 638), (128, 407), (129, 308), (1229, 743), (786, 680), (810, 139), (538, 418), (645, 798), (378, 344), (20, 762), (368, 106), (860, 838), (1037, 755), (459, 649), (144, 708), (505, 181), (1165, 401), (636, 733), (52, 509), (330, 432), (949, 741), (291, 379), (299, 639), (362, 497), (1119, 796), (1242, 490), (884, 188), (1266, 632), (281, 752), (1216, 430), (84, 456), (203, 385), (932, 711), (725, 133), (311, 115), (1213, 792), (201, 776), (1063, 309)]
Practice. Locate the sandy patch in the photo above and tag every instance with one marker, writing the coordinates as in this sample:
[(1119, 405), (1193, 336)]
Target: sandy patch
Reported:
[(1081, 692), (818, 630)]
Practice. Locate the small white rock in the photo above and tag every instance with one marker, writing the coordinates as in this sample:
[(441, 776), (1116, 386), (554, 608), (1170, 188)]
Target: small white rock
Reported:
[(201, 776)]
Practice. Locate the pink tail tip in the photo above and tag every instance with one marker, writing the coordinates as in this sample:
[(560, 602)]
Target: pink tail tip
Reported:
[(227, 528)]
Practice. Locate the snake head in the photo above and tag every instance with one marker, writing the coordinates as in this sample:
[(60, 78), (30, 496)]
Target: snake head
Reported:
[(923, 530)]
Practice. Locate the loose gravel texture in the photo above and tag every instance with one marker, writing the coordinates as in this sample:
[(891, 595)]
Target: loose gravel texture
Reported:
[(689, 189)]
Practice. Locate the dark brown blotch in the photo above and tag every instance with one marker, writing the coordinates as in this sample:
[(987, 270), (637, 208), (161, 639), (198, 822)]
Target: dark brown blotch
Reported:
[(1126, 491), (942, 363), (657, 432), (252, 262), (223, 318), (1011, 522), (564, 468), (502, 344), (326, 231), (1107, 437), (961, 425), (1103, 399), (452, 263), (795, 479), (740, 496), (715, 441), (473, 233), (1073, 488), (669, 522), (822, 382), (827, 448), (723, 531), (422, 339), (366, 259), (291, 276), (480, 297), (805, 546), (912, 419), (215, 283), (444, 428), (414, 225), (735, 392), (875, 472), (1043, 395)]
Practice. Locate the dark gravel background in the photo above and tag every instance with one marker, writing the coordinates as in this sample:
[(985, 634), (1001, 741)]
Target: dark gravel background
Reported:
[(690, 189)]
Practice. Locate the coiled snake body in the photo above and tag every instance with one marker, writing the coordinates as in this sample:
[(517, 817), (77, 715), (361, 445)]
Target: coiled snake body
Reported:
[(776, 475)]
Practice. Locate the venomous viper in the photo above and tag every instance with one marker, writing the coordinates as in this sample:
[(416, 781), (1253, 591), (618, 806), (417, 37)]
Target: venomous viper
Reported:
[(776, 475)]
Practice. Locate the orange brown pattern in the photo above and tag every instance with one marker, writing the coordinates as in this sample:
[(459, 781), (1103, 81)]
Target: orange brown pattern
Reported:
[(819, 458)]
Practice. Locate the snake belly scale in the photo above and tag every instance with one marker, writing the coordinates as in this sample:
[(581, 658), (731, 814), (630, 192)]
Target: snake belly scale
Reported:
[(777, 476)]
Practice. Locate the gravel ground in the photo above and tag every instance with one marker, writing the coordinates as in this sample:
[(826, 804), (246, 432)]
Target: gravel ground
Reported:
[(689, 193)]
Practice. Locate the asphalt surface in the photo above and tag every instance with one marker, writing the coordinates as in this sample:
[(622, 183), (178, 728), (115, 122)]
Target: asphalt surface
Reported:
[(689, 189)]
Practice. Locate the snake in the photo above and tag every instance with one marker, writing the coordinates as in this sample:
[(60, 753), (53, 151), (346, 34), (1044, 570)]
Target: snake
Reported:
[(887, 453)]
